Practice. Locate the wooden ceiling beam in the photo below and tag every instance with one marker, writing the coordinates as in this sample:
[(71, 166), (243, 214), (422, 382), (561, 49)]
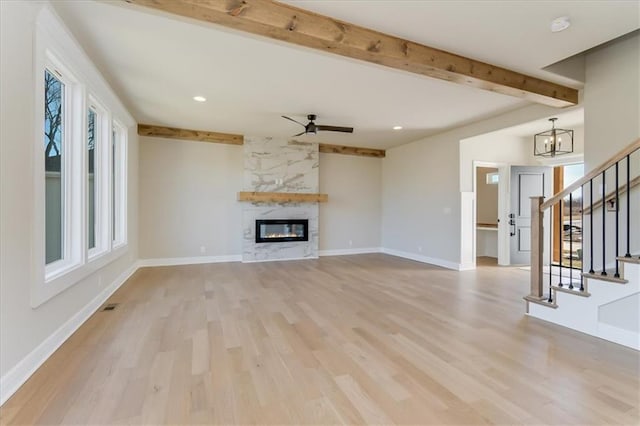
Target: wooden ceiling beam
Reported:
[(351, 150), (305, 28), (192, 135), (234, 139)]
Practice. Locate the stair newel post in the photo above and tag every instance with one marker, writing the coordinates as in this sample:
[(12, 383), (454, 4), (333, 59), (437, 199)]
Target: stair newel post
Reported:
[(537, 248), (571, 240), (582, 237), (617, 273), (604, 223), (628, 253)]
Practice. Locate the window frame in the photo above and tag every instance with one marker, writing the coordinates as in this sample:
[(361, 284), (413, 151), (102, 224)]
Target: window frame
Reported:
[(101, 179), (55, 48), (119, 224), (71, 189)]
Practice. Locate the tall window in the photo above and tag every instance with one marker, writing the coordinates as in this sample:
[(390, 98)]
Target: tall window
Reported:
[(91, 177), (73, 210), (54, 111), (118, 184), (114, 141), (567, 249)]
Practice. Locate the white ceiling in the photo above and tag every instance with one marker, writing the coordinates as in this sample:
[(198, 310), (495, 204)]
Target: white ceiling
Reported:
[(157, 63), (567, 119), (571, 119)]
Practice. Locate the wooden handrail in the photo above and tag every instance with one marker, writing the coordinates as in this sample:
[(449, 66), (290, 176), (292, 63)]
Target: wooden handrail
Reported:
[(592, 174)]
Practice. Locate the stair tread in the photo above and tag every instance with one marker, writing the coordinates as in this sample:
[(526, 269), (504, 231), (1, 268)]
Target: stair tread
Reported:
[(609, 277), (544, 301), (575, 290), (633, 259)]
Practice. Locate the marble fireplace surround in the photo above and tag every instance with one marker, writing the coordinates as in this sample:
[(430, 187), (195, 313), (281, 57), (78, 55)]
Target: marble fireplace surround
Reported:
[(285, 166)]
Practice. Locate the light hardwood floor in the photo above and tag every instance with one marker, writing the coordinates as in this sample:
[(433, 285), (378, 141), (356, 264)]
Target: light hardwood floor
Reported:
[(355, 339)]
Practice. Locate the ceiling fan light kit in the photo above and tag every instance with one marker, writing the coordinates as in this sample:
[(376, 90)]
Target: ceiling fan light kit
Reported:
[(311, 128), (553, 142)]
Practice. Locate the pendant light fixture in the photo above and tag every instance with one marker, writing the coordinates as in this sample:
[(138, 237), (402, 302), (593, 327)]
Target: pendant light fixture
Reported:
[(553, 142)]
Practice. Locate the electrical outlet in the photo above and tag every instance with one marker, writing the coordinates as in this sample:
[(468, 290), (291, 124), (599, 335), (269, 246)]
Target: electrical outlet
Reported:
[(203, 249), (350, 243)]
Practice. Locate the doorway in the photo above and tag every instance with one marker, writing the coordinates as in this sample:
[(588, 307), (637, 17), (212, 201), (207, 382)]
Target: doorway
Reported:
[(490, 242), (487, 194)]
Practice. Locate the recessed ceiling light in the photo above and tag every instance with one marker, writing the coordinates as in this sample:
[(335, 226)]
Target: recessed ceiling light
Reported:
[(397, 127), (560, 24), (199, 99)]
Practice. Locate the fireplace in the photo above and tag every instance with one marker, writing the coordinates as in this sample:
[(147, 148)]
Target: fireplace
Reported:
[(282, 230)]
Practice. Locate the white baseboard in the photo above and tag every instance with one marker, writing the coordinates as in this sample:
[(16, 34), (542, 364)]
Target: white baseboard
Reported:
[(350, 251), (424, 259), (20, 373), (279, 260), (466, 266), (174, 261)]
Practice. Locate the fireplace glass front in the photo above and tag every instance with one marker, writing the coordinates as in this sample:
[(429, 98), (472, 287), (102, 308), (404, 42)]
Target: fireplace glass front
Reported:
[(281, 230)]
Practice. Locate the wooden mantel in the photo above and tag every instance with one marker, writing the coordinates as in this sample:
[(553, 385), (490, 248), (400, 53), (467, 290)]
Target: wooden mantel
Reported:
[(282, 197)]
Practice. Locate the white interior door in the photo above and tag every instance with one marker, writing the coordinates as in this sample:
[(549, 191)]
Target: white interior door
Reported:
[(526, 182)]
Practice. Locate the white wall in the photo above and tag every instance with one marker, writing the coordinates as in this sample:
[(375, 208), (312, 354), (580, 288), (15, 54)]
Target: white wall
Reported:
[(501, 147), (622, 313), (188, 198), (612, 121), (188, 193), (611, 100), (494, 147), (421, 190), (23, 328), (354, 210)]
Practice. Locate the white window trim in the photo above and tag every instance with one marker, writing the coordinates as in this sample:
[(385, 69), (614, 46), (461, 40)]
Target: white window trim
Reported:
[(53, 42), (72, 197), (101, 178), (119, 234)]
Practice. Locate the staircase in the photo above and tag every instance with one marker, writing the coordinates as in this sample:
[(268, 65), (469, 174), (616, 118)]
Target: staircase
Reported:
[(595, 289)]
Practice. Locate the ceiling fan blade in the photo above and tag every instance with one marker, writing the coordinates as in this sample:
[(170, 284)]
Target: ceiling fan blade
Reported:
[(299, 134), (291, 119), (335, 129)]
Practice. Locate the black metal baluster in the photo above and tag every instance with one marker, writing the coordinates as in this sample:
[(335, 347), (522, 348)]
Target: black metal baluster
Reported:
[(604, 221), (550, 300), (581, 237), (617, 273), (591, 271), (571, 241), (561, 234), (628, 253)]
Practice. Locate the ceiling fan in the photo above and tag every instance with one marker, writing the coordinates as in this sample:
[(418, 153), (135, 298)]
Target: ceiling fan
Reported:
[(313, 128)]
